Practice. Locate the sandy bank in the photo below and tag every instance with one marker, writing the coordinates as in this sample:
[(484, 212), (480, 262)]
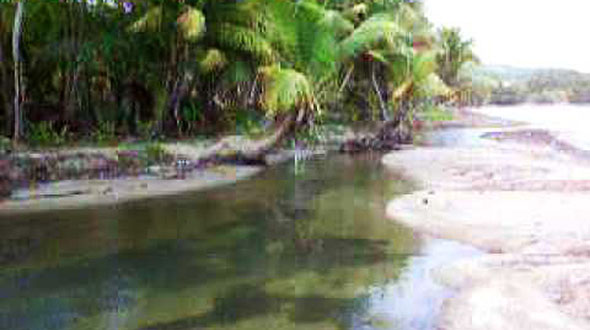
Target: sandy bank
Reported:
[(84, 193), (80, 191), (526, 201)]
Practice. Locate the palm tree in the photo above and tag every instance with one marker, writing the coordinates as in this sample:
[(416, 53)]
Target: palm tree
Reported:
[(281, 59), (381, 50), (454, 51), (292, 55), (272, 56)]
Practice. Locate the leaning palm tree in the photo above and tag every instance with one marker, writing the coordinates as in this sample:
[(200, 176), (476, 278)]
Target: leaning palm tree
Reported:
[(272, 56), (292, 52)]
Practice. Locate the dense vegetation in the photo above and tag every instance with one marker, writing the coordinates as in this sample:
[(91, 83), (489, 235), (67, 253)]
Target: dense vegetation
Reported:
[(508, 85), (98, 70)]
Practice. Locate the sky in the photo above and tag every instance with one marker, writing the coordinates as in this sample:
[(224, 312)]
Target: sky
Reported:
[(521, 33)]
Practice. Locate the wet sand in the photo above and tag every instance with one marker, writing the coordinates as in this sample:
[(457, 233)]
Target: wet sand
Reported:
[(525, 200), (84, 193)]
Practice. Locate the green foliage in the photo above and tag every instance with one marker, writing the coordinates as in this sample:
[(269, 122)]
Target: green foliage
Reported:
[(5, 144), (379, 31), (453, 53), (192, 24), (508, 85), (192, 112), (156, 153), (249, 123), (212, 60), (146, 129), (285, 89), (311, 136), (44, 134), (239, 71), (151, 21), (244, 40), (105, 133), (200, 64), (333, 20), (433, 86)]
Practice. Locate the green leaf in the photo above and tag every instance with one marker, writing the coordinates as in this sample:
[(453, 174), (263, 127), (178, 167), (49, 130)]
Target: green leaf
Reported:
[(192, 24)]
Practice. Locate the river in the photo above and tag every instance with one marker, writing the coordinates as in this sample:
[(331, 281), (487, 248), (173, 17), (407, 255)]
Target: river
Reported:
[(304, 247)]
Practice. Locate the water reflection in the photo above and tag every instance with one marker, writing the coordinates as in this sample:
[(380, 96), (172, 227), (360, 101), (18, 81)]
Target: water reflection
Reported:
[(413, 300), (282, 251)]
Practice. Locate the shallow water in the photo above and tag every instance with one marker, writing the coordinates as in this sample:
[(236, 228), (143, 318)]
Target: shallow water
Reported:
[(456, 137), (304, 247), (567, 121)]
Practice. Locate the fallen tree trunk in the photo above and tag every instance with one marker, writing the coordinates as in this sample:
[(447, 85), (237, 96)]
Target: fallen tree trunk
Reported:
[(237, 150)]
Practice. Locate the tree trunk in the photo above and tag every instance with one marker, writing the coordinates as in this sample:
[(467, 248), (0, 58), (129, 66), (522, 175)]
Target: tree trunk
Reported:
[(254, 151), (179, 92), (384, 115), (5, 93), (19, 92), (234, 150), (346, 79), (389, 134)]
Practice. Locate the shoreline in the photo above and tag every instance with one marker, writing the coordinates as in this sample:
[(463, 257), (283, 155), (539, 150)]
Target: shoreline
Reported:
[(180, 172), (91, 177), (523, 199), (74, 194)]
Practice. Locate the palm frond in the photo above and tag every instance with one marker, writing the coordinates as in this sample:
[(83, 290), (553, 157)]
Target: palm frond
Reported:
[(284, 89), (334, 21), (213, 59), (243, 40), (379, 31), (316, 41), (252, 13)]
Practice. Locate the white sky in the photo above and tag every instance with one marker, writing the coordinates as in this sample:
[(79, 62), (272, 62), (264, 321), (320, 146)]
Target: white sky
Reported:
[(523, 33)]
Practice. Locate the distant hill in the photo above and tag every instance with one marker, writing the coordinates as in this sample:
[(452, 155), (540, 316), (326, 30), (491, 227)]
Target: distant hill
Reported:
[(506, 73), (519, 85)]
